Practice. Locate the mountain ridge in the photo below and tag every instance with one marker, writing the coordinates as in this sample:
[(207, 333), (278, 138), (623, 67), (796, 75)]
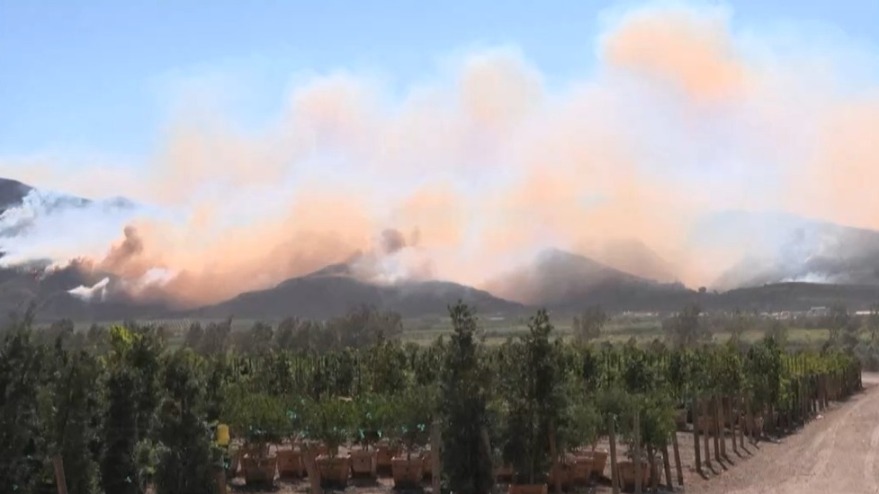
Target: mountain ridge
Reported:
[(794, 252)]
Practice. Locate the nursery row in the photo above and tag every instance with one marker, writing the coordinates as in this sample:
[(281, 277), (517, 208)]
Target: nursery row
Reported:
[(135, 414)]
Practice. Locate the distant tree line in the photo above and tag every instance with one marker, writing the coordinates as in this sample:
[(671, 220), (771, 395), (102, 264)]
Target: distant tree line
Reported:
[(364, 326), (359, 327)]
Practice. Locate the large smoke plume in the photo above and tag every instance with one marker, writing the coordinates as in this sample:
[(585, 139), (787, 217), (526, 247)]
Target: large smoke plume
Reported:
[(683, 113)]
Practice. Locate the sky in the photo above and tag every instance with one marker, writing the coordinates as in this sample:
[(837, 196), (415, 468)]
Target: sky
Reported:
[(263, 140), (103, 77)]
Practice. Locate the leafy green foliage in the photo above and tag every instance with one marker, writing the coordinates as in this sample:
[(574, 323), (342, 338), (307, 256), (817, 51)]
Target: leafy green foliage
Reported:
[(414, 410), (75, 418), (332, 420), (536, 409), (683, 329), (258, 417), (588, 325), (22, 371), (464, 385), (185, 460), (126, 414)]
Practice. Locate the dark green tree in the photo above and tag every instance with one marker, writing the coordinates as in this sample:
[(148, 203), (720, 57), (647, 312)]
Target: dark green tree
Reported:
[(185, 457), (133, 395), (194, 335), (537, 409), (77, 396), (465, 382), (119, 470), (22, 442), (588, 325), (683, 330)]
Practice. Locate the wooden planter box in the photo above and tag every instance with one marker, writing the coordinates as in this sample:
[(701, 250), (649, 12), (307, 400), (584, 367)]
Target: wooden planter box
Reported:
[(290, 464), (259, 471), (504, 473), (254, 450), (334, 471), (527, 489), (681, 416), (363, 463), (580, 470), (627, 474), (234, 462), (384, 453), (560, 472), (729, 421), (599, 461), (427, 464), (407, 472), (706, 425)]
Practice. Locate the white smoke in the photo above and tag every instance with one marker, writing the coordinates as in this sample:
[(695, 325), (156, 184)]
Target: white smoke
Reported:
[(49, 225), (94, 293)]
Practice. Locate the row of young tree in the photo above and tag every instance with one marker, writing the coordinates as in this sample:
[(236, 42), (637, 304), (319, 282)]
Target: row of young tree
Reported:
[(851, 332), (127, 411)]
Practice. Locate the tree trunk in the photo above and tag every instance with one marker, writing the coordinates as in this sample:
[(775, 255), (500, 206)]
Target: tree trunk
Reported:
[(436, 458), (678, 467), (730, 404), (637, 456), (60, 479), (614, 472), (707, 432), (695, 410), (666, 464), (715, 414)]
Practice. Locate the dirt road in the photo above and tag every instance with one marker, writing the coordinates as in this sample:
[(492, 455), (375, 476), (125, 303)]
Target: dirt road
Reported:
[(838, 454)]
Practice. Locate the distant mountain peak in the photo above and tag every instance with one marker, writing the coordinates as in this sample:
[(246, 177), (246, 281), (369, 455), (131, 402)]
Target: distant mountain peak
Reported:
[(338, 269), (785, 247), (12, 192)]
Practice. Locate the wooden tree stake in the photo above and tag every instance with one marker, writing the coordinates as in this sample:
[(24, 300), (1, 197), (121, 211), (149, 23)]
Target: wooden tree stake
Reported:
[(637, 456), (696, 448), (715, 414), (730, 404), (554, 465), (436, 459), (707, 432), (221, 481), (677, 452), (614, 471), (308, 456), (666, 464), (60, 479)]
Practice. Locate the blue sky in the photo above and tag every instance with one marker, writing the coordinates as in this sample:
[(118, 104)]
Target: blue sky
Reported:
[(102, 77)]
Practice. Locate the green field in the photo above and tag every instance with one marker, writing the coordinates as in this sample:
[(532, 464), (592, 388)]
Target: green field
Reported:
[(425, 330)]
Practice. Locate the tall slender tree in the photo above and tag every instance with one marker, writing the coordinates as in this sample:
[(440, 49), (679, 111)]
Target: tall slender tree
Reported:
[(464, 384)]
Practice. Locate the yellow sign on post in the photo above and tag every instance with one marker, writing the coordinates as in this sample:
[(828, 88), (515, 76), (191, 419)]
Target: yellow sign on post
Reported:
[(223, 435)]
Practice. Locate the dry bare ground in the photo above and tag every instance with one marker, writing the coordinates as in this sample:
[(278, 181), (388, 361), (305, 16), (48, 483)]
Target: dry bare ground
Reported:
[(834, 454)]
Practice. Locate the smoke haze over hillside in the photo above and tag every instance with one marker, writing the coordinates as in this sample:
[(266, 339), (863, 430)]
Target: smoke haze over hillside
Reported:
[(462, 177)]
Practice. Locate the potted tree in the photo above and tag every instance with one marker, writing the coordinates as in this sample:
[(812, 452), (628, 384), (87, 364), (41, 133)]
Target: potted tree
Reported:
[(369, 413), (291, 463), (262, 420), (386, 446), (581, 430), (415, 409), (656, 419), (331, 424), (535, 410)]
